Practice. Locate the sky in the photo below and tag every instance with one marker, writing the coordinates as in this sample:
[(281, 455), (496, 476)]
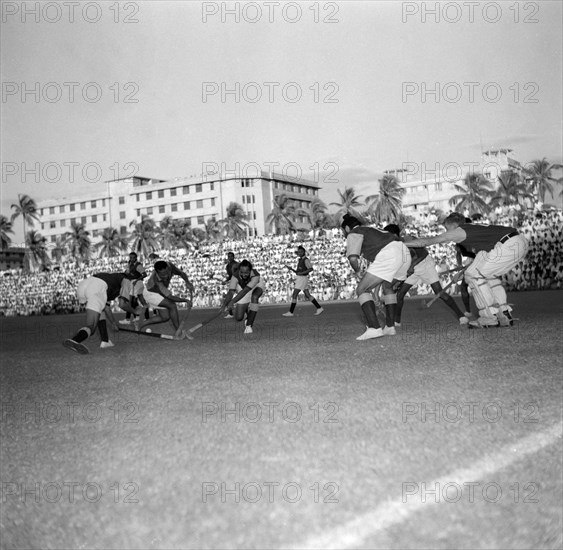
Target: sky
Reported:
[(333, 91)]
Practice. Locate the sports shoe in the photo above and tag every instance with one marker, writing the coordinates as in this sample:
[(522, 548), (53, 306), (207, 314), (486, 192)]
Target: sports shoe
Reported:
[(228, 316), (371, 333), (484, 322), (504, 318), (108, 344), (76, 346), (288, 314), (463, 321), (319, 311), (468, 314), (248, 329), (125, 322), (397, 324), (389, 331)]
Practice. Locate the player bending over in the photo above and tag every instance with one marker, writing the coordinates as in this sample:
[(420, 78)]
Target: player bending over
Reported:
[(96, 292), (388, 260), (497, 250), (422, 270), (158, 296), (464, 257), (245, 289), (231, 267), (304, 267)]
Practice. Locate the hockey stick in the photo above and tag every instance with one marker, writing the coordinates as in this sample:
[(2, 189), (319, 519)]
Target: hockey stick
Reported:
[(205, 322), (454, 281), (152, 334)]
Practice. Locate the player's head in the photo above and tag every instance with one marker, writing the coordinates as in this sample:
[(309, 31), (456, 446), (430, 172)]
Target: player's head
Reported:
[(161, 267), (244, 269), (230, 257), (300, 251), (132, 256), (153, 257), (393, 228), (455, 219), (348, 223)]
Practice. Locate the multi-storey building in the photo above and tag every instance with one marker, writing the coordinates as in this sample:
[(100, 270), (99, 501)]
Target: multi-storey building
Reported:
[(195, 200)]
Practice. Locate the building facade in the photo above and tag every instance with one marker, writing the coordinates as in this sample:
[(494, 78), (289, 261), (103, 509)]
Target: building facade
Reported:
[(196, 200)]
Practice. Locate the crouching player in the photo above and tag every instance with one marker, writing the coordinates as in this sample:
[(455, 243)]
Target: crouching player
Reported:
[(388, 260), (96, 292), (245, 289), (158, 296)]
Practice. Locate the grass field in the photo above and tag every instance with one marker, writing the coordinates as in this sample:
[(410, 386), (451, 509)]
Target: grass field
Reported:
[(297, 436)]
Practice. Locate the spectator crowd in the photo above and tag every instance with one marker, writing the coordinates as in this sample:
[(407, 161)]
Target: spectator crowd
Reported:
[(54, 291)]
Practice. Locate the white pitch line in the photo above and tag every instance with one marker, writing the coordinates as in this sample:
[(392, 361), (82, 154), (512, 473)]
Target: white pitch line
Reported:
[(354, 533)]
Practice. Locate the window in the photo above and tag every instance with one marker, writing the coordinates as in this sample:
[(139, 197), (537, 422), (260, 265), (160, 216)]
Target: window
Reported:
[(121, 200), (93, 204), (253, 199), (149, 195), (198, 188), (439, 186), (212, 186), (105, 216), (253, 215), (52, 210), (73, 221), (121, 216), (149, 211), (72, 207), (173, 192), (83, 220), (138, 212), (161, 209), (94, 219), (61, 209), (82, 206), (212, 202), (199, 204), (161, 194), (138, 195), (174, 207), (53, 238), (63, 223), (52, 225), (186, 189), (200, 220), (187, 205), (103, 202), (244, 199)]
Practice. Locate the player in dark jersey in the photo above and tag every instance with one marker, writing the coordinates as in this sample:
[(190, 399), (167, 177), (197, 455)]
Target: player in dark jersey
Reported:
[(158, 296), (464, 257), (231, 267), (96, 292), (388, 260), (497, 250), (245, 289), (134, 272), (304, 267), (422, 270)]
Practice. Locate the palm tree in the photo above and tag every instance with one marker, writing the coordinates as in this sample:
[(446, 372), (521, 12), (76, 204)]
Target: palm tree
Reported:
[(113, 243), (511, 190), (348, 200), (144, 236), (472, 194), (59, 250), (36, 257), (283, 215), (78, 242), (540, 175), (234, 225), (5, 228), (386, 206), (212, 230), (27, 209)]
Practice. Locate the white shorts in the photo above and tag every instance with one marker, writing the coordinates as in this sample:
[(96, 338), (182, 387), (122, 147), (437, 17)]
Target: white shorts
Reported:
[(392, 262), (501, 259), (424, 272), (153, 299), (94, 293), (301, 282)]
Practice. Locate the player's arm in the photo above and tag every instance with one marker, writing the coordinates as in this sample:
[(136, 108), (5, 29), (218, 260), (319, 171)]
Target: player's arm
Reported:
[(248, 288), (231, 292), (308, 266), (353, 250), (456, 235), (291, 268)]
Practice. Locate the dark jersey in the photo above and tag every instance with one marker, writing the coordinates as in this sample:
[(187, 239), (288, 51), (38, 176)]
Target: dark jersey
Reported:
[(231, 267), (368, 241), (464, 252), (134, 270), (113, 280), (303, 264), (160, 284), (483, 237)]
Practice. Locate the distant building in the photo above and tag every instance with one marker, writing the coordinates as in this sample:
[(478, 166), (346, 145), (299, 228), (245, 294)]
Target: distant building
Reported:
[(196, 200), (11, 258)]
